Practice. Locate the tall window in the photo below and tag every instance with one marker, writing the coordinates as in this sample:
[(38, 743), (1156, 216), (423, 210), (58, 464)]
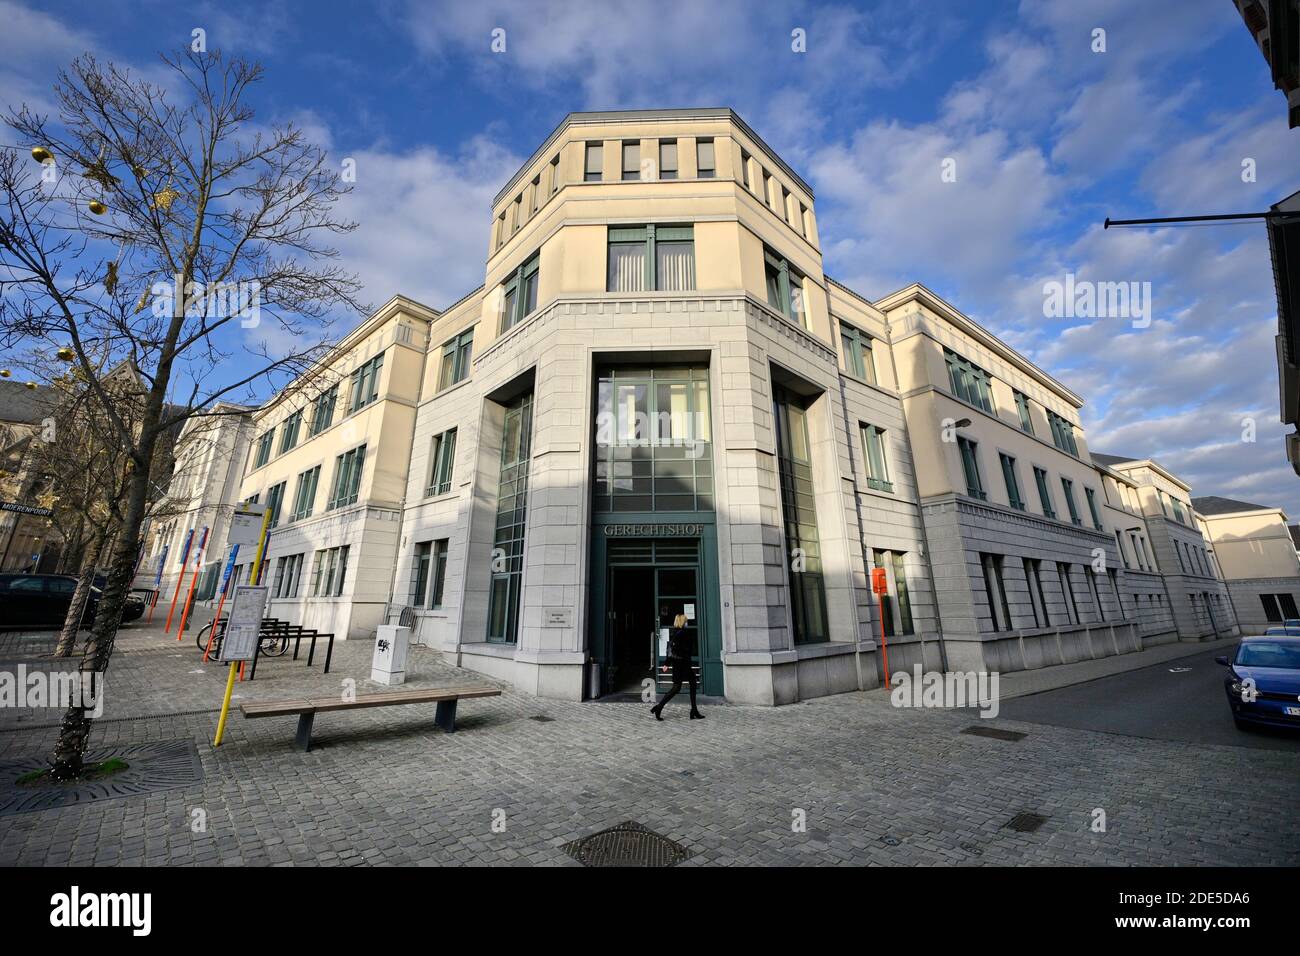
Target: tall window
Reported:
[(631, 160), (785, 288), (1037, 602), (347, 477), (1067, 590), (1022, 409), (263, 453), (1062, 433), (288, 570), (704, 161), (668, 159), (858, 359), (442, 459), (365, 384), (512, 512), (653, 440), (274, 502), (594, 162), (322, 415), (895, 613), (970, 466), (455, 359), (651, 257), (289, 431), (873, 453), (1119, 543), (430, 573), (519, 294), (996, 592), (537, 192), (803, 547), (555, 175), (1013, 484), (1114, 586), (304, 498), (1044, 493), (1096, 594), (744, 169), (1178, 509), (1067, 487), (1092, 507), (969, 382), (329, 572)]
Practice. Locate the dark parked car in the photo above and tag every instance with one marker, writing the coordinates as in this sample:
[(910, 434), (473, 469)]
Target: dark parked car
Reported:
[(1263, 684), (41, 600)]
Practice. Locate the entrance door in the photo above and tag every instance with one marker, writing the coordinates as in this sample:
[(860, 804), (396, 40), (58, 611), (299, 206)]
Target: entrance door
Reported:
[(676, 593), (644, 600)]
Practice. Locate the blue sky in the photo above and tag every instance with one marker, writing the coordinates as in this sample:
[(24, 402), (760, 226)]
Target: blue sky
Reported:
[(1048, 136)]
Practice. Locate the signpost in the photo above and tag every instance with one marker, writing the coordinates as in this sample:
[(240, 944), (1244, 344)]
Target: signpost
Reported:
[(185, 558), (880, 588), (250, 610)]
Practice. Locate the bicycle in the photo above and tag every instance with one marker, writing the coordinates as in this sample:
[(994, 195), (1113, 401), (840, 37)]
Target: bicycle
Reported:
[(272, 645)]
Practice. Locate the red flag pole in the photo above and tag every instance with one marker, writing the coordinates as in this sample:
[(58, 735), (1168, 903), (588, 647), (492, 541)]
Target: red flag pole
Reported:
[(194, 579)]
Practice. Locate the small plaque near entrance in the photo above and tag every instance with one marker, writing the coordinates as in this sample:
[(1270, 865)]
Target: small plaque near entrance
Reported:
[(558, 617)]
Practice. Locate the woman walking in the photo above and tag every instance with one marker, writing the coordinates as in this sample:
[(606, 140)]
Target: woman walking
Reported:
[(681, 649)]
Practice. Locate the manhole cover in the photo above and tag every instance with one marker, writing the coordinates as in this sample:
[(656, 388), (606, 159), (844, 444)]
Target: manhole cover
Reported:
[(628, 844), (994, 732), (542, 718), (165, 765), (1025, 822)]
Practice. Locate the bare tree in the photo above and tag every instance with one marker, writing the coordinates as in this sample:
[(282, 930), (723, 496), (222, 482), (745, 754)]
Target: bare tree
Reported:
[(165, 202)]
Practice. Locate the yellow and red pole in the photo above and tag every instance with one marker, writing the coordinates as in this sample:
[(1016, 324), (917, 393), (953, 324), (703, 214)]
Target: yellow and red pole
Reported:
[(194, 578), (185, 560)]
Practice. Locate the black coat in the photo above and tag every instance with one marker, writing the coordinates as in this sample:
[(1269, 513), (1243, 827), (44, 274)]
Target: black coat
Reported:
[(681, 649)]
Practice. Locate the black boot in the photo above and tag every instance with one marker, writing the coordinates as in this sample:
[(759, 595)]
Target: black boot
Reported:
[(656, 710), (696, 715)]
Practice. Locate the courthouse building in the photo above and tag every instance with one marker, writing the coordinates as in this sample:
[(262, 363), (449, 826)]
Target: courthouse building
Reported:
[(1256, 556), (658, 404)]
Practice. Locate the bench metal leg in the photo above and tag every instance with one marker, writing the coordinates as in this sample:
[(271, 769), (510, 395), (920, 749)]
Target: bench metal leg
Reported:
[(303, 739), (445, 718)]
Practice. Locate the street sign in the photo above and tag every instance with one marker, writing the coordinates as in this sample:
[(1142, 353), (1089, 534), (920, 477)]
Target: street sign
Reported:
[(26, 509), (244, 623), (246, 525)]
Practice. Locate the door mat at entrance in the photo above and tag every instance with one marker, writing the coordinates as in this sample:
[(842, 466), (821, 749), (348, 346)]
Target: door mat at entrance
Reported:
[(628, 844), (151, 768)]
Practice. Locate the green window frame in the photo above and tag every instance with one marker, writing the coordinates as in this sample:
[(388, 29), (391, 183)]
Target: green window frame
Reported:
[(263, 453), (420, 573), (274, 502), (1012, 482), (969, 382), (1091, 496), (329, 572), (456, 354), (289, 429), (439, 572), (1044, 492), (859, 360), (519, 293), (896, 608), (364, 387), (442, 461), (799, 512), (1062, 433), (304, 498), (1067, 487), (784, 288), (1178, 509), (656, 257), (504, 586), (347, 477), (971, 468), (996, 592), (1022, 409), (323, 411), (873, 457)]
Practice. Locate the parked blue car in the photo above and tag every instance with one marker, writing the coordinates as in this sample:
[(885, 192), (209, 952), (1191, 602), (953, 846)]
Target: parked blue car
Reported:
[(1263, 685)]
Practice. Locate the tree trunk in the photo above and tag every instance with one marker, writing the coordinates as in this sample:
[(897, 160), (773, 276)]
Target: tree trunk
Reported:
[(74, 729), (77, 609)]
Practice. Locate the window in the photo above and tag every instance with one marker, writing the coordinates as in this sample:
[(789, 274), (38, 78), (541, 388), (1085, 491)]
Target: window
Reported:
[(1092, 507), (519, 294), (995, 591), (304, 498), (1160, 496), (519, 212), (1289, 611), (1036, 600), (1178, 509), (744, 169), (1062, 433), (1067, 591), (1096, 594), (798, 505), (895, 613), (631, 160), (284, 583), (347, 477), (1044, 493), (1272, 612), (1178, 550), (1013, 484), (263, 454), (591, 171), (1067, 486), (704, 162), (784, 288), (858, 358), (512, 510), (455, 359), (971, 468), (555, 175), (430, 569), (500, 230), (1022, 408), (365, 384), (767, 188), (274, 500), (439, 572), (873, 453), (969, 382), (329, 572), (289, 431), (322, 415), (784, 211), (668, 159), (1119, 543), (442, 457), (1114, 586), (651, 257)]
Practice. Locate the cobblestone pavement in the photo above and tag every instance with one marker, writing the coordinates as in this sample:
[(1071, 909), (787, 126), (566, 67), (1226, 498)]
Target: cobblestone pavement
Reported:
[(878, 785)]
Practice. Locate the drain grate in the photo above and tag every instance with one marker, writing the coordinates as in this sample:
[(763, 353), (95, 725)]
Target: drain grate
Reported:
[(542, 718), (995, 732), (628, 844), (1025, 822)]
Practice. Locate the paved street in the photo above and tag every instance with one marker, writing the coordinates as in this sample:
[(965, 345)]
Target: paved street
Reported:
[(878, 785)]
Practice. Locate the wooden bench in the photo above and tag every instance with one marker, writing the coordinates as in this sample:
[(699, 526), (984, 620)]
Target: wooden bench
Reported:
[(444, 697)]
